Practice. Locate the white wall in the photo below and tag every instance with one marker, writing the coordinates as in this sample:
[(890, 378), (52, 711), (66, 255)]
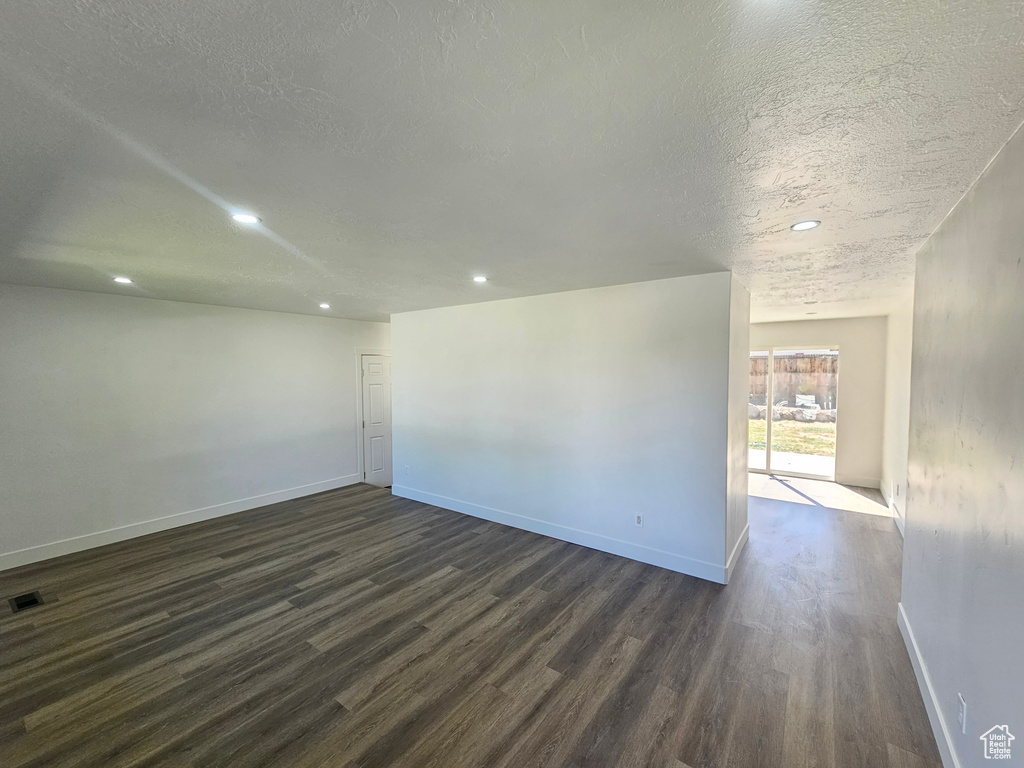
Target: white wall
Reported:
[(962, 606), (117, 412), (568, 413), (739, 423), (862, 350), (899, 345)]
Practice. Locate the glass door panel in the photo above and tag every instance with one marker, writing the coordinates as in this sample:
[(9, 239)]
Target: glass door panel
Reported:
[(805, 394), (757, 410)]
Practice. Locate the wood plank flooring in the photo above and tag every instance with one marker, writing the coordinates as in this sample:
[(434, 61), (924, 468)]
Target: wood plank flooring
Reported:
[(353, 628)]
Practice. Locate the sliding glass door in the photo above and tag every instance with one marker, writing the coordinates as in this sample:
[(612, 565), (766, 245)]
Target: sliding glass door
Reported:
[(796, 433), (757, 409)]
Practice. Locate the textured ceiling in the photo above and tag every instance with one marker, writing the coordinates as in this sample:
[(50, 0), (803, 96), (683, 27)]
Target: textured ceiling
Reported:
[(395, 149)]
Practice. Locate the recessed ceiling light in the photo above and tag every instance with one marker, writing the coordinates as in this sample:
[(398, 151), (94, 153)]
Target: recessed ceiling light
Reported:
[(800, 226), (810, 302), (325, 305), (812, 313), (125, 280), (245, 218), (479, 279)]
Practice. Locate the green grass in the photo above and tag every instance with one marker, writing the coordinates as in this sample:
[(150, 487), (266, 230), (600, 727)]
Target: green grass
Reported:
[(813, 438)]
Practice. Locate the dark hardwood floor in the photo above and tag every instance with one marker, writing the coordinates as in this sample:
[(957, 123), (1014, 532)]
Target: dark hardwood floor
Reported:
[(352, 628)]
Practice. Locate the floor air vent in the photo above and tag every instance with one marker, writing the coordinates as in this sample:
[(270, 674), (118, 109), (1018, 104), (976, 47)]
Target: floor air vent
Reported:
[(21, 602)]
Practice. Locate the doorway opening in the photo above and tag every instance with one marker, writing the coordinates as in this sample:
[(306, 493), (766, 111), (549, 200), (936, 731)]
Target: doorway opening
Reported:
[(375, 432), (793, 412)]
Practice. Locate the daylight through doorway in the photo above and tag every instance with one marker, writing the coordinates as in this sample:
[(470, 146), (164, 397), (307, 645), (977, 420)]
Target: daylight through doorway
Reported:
[(793, 431)]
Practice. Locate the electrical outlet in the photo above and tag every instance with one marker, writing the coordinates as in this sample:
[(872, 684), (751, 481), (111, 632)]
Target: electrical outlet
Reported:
[(899, 490), (961, 712), (406, 470), (639, 521)]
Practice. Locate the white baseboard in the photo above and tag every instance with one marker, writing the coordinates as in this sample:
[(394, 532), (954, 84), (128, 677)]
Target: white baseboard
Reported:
[(673, 562), (898, 518), (734, 555), (121, 533), (859, 481), (943, 736)]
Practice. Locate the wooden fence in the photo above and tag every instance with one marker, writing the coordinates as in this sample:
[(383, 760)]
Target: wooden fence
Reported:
[(795, 374)]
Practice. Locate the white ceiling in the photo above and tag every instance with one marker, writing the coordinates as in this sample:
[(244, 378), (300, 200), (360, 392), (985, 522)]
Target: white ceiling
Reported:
[(395, 149)]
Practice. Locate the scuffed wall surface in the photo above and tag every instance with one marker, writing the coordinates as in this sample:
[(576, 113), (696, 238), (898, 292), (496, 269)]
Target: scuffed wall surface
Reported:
[(963, 570), (898, 354)]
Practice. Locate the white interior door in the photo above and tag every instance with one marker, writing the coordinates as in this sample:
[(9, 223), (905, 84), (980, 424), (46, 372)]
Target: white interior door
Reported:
[(377, 419)]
